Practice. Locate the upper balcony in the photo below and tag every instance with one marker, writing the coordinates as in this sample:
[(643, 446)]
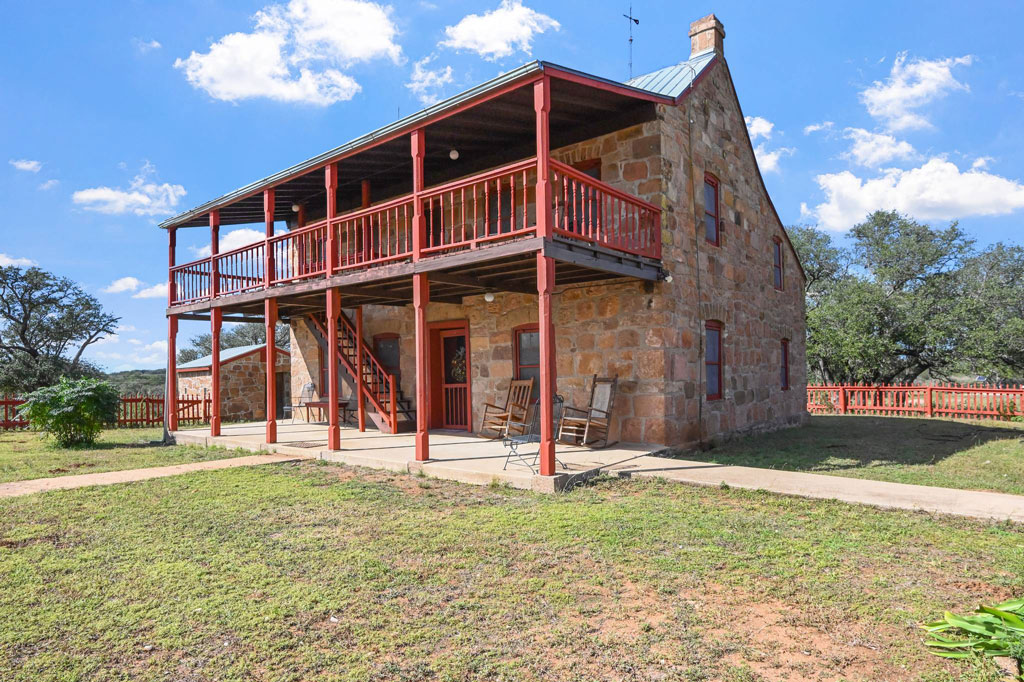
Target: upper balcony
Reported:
[(469, 214), (466, 182)]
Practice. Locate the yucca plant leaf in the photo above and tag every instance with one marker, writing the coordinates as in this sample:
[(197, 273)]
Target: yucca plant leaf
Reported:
[(1006, 617), (1012, 605), (971, 625)]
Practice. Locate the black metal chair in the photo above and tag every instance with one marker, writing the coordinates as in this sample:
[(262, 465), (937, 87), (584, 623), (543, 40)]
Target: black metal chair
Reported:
[(530, 433)]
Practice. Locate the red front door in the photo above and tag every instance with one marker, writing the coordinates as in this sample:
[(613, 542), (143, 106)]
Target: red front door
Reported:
[(454, 349)]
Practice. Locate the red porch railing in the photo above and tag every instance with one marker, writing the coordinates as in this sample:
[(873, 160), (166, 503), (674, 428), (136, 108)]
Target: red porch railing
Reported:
[(498, 204), (588, 209), (976, 401), (473, 212), (374, 235), (132, 411), (241, 269)]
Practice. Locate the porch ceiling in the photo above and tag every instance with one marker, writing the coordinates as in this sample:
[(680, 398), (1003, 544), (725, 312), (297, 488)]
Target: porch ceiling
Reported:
[(491, 133)]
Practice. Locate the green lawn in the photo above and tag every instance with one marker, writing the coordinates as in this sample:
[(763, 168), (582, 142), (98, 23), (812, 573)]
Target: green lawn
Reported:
[(25, 455), (316, 571), (952, 454)]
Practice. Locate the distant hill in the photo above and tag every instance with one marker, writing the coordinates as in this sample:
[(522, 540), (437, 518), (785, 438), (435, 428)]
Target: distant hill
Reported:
[(148, 381)]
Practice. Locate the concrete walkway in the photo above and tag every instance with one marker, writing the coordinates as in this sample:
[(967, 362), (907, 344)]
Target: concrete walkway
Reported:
[(39, 485), (970, 503)]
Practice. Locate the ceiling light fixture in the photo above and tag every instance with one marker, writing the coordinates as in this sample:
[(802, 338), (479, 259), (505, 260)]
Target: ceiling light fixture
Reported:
[(454, 155), (489, 297), (296, 208)]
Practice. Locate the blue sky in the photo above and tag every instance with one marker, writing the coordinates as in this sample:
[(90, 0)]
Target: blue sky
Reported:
[(114, 118)]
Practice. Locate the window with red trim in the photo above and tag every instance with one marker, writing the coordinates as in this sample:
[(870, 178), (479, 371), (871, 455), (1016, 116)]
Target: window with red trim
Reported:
[(526, 355), (777, 265), (711, 217), (713, 359), (784, 367)]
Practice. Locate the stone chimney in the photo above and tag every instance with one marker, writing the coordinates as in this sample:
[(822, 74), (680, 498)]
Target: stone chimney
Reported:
[(707, 34)]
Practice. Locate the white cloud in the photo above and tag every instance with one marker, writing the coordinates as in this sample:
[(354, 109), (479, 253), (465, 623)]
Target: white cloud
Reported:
[(982, 162), (231, 240), (121, 285), (910, 86), (156, 346), (142, 197), (500, 32), (937, 190), (768, 159), (818, 127), (6, 260), (155, 291), (126, 328), (49, 184), (27, 165), (425, 83), (135, 342), (144, 46), (295, 53), (874, 149), (759, 127)]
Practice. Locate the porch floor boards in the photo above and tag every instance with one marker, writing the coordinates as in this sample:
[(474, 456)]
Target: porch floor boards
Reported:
[(454, 455)]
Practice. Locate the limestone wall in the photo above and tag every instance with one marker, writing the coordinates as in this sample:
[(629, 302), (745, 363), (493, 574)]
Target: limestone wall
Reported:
[(243, 386)]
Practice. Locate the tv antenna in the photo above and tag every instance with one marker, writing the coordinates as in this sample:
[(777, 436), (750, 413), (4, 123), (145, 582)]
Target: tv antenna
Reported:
[(632, 20)]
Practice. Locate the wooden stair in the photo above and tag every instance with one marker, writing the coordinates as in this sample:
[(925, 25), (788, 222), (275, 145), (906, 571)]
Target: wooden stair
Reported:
[(379, 385)]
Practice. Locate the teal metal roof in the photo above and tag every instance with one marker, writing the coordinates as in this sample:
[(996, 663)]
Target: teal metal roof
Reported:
[(672, 81), (225, 355)]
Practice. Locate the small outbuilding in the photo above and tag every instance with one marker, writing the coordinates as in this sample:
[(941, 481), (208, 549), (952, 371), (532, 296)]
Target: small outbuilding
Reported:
[(243, 381)]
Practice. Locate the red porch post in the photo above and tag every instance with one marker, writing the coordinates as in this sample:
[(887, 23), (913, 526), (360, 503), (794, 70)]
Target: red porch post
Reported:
[(270, 320), (545, 278), (548, 379), (333, 424), (542, 109), (331, 186), (216, 318), (420, 298), (419, 221), (268, 253), (214, 250), (360, 399), (171, 401)]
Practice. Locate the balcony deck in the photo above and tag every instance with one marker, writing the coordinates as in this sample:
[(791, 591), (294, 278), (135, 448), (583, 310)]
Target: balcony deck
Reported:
[(480, 234)]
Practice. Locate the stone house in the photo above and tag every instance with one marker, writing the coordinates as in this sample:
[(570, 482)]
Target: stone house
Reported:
[(243, 381), (546, 224)]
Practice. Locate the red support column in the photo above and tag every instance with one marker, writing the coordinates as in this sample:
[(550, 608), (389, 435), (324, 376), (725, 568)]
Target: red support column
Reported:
[(268, 254), (331, 186), (216, 318), (331, 357), (548, 380), (214, 250), (360, 399), (270, 321), (171, 403), (420, 299), (367, 223), (171, 398), (419, 221), (542, 109)]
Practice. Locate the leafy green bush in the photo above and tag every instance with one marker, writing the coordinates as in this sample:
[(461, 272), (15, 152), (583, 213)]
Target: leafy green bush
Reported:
[(990, 631), (73, 412)]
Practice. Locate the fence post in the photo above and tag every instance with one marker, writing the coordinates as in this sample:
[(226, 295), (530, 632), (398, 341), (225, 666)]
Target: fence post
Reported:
[(842, 399), (928, 401)]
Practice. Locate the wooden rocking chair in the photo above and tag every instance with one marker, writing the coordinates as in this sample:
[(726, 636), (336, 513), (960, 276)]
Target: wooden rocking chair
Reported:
[(517, 404), (590, 426)]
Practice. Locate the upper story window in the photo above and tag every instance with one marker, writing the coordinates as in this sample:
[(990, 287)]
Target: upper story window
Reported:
[(526, 351), (777, 263), (713, 358), (711, 210), (784, 366)]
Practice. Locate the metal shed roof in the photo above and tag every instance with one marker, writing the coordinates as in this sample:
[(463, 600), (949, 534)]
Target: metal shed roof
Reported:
[(225, 355), (407, 123), (672, 81)]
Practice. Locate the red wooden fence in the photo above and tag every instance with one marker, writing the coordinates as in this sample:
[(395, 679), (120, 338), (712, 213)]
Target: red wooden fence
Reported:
[(133, 411), (971, 401)]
